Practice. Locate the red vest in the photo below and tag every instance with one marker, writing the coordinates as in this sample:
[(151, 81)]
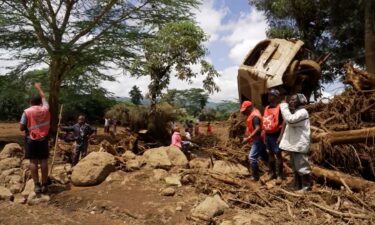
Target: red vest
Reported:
[(38, 122), (271, 119), (249, 123)]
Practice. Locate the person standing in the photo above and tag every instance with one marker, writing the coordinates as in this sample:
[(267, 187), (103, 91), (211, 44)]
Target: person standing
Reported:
[(253, 136), (273, 125), (35, 121), (296, 139), (82, 132), (106, 125), (196, 129)]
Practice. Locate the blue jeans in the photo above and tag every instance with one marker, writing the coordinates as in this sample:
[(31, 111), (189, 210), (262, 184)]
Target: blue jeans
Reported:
[(271, 143), (257, 149)]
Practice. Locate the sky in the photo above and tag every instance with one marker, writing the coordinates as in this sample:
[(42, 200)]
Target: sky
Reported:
[(233, 27)]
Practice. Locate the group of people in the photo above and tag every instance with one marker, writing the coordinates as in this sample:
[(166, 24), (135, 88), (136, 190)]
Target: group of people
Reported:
[(108, 122), (35, 122), (282, 127)]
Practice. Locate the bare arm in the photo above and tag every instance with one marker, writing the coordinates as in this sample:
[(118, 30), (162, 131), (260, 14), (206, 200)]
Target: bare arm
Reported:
[(38, 87)]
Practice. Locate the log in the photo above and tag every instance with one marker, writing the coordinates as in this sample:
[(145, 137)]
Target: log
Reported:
[(346, 137), (338, 178)]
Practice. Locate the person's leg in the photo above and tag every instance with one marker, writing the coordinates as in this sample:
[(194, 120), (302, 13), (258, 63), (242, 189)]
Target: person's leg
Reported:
[(44, 169), (253, 159), (304, 170), (33, 166), (271, 159), (84, 149), (297, 179), (76, 153)]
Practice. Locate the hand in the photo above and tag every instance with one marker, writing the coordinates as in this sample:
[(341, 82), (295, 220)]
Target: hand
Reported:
[(284, 100), (245, 140), (38, 85)]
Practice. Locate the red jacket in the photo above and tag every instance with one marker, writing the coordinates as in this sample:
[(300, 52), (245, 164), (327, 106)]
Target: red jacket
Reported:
[(271, 120), (38, 121), (249, 123)]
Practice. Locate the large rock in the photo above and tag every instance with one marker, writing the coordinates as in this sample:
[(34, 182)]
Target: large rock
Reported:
[(128, 155), (29, 188), (134, 164), (6, 194), (10, 163), (11, 150), (93, 169), (176, 156), (159, 174), (173, 180), (61, 173), (157, 158), (230, 168), (199, 163), (209, 208)]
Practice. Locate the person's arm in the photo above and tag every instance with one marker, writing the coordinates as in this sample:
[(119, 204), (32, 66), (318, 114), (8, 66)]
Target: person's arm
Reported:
[(23, 122), (67, 128), (38, 87), (292, 119)]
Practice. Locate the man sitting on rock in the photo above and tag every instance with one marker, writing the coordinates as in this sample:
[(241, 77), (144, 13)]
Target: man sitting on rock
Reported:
[(82, 133), (35, 121)]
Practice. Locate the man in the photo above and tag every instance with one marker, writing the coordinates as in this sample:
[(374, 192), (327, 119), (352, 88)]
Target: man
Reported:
[(35, 121), (273, 127), (82, 132), (253, 136), (296, 139)]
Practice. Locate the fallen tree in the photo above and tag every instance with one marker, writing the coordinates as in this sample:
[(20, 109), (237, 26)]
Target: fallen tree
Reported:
[(346, 137)]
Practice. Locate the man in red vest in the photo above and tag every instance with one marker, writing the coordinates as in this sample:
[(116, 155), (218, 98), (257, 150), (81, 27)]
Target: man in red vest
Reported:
[(253, 136), (35, 121), (273, 125)]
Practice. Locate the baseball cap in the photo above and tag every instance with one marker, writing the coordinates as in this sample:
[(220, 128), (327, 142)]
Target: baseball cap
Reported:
[(274, 92), (245, 105)]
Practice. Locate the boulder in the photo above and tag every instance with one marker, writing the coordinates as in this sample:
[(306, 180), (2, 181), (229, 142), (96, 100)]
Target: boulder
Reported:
[(134, 164), (128, 155), (93, 169), (168, 192), (209, 208), (176, 156), (173, 180), (12, 171), (11, 150), (117, 176), (159, 174), (10, 163), (230, 168), (15, 188), (5, 194), (157, 158), (29, 188), (61, 173), (199, 163)]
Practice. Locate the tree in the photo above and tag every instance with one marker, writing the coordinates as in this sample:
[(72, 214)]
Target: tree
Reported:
[(325, 26), (81, 37), (136, 95), (176, 46)]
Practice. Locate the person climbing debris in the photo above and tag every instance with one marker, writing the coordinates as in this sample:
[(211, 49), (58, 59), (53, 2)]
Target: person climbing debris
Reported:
[(273, 126), (35, 121), (82, 133), (253, 136), (296, 140)]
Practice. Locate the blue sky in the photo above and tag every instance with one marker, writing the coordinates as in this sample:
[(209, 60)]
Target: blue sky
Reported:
[(234, 28)]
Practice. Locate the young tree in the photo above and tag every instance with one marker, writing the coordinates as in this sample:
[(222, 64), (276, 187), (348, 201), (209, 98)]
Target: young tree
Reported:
[(136, 95), (86, 36), (176, 46), (343, 28)]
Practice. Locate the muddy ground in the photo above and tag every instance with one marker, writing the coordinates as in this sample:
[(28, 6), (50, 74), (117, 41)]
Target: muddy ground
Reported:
[(135, 198)]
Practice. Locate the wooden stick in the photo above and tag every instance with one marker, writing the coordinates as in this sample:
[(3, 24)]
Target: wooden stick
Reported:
[(290, 193), (56, 141), (340, 214), (346, 186)]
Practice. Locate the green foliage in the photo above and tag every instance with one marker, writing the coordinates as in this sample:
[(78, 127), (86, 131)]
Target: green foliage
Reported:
[(323, 25), (192, 100), (12, 100), (221, 112), (176, 45), (136, 95)]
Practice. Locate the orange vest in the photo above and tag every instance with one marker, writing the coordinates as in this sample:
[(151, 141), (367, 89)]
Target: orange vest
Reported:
[(38, 122), (271, 120), (249, 123)]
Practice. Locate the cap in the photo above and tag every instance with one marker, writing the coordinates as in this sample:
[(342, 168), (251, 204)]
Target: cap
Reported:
[(245, 105), (274, 92)]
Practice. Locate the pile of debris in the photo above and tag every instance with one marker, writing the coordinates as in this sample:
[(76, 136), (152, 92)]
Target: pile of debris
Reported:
[(343, 133)]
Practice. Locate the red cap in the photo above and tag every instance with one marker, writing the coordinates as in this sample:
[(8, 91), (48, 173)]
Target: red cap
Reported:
[(245, 105)]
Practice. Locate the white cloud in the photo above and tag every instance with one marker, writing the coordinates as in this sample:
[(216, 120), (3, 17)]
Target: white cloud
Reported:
[(210, 19), (244, 33)]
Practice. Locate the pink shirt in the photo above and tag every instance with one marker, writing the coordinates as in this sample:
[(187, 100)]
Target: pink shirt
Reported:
[(176, 139)]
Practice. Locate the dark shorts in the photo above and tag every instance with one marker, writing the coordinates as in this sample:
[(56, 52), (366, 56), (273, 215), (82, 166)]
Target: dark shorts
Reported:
[(36, 149)]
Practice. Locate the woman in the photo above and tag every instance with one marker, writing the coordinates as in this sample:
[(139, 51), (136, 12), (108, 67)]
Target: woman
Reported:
[(296, 139)]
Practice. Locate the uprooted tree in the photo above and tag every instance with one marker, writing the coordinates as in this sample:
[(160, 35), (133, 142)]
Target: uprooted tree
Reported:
[(175, 48), (81, 38)]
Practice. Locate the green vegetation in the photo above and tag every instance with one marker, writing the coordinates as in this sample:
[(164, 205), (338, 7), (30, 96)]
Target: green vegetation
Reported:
[(136, 95)]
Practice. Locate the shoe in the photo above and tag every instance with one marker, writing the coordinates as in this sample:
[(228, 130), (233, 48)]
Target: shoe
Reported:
[(37, 188), (306, 183), (255, 171), (44, 188), (272, 170)]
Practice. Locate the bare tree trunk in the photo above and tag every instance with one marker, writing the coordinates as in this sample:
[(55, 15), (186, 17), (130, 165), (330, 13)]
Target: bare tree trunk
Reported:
[(370, 35), (56, 73)]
